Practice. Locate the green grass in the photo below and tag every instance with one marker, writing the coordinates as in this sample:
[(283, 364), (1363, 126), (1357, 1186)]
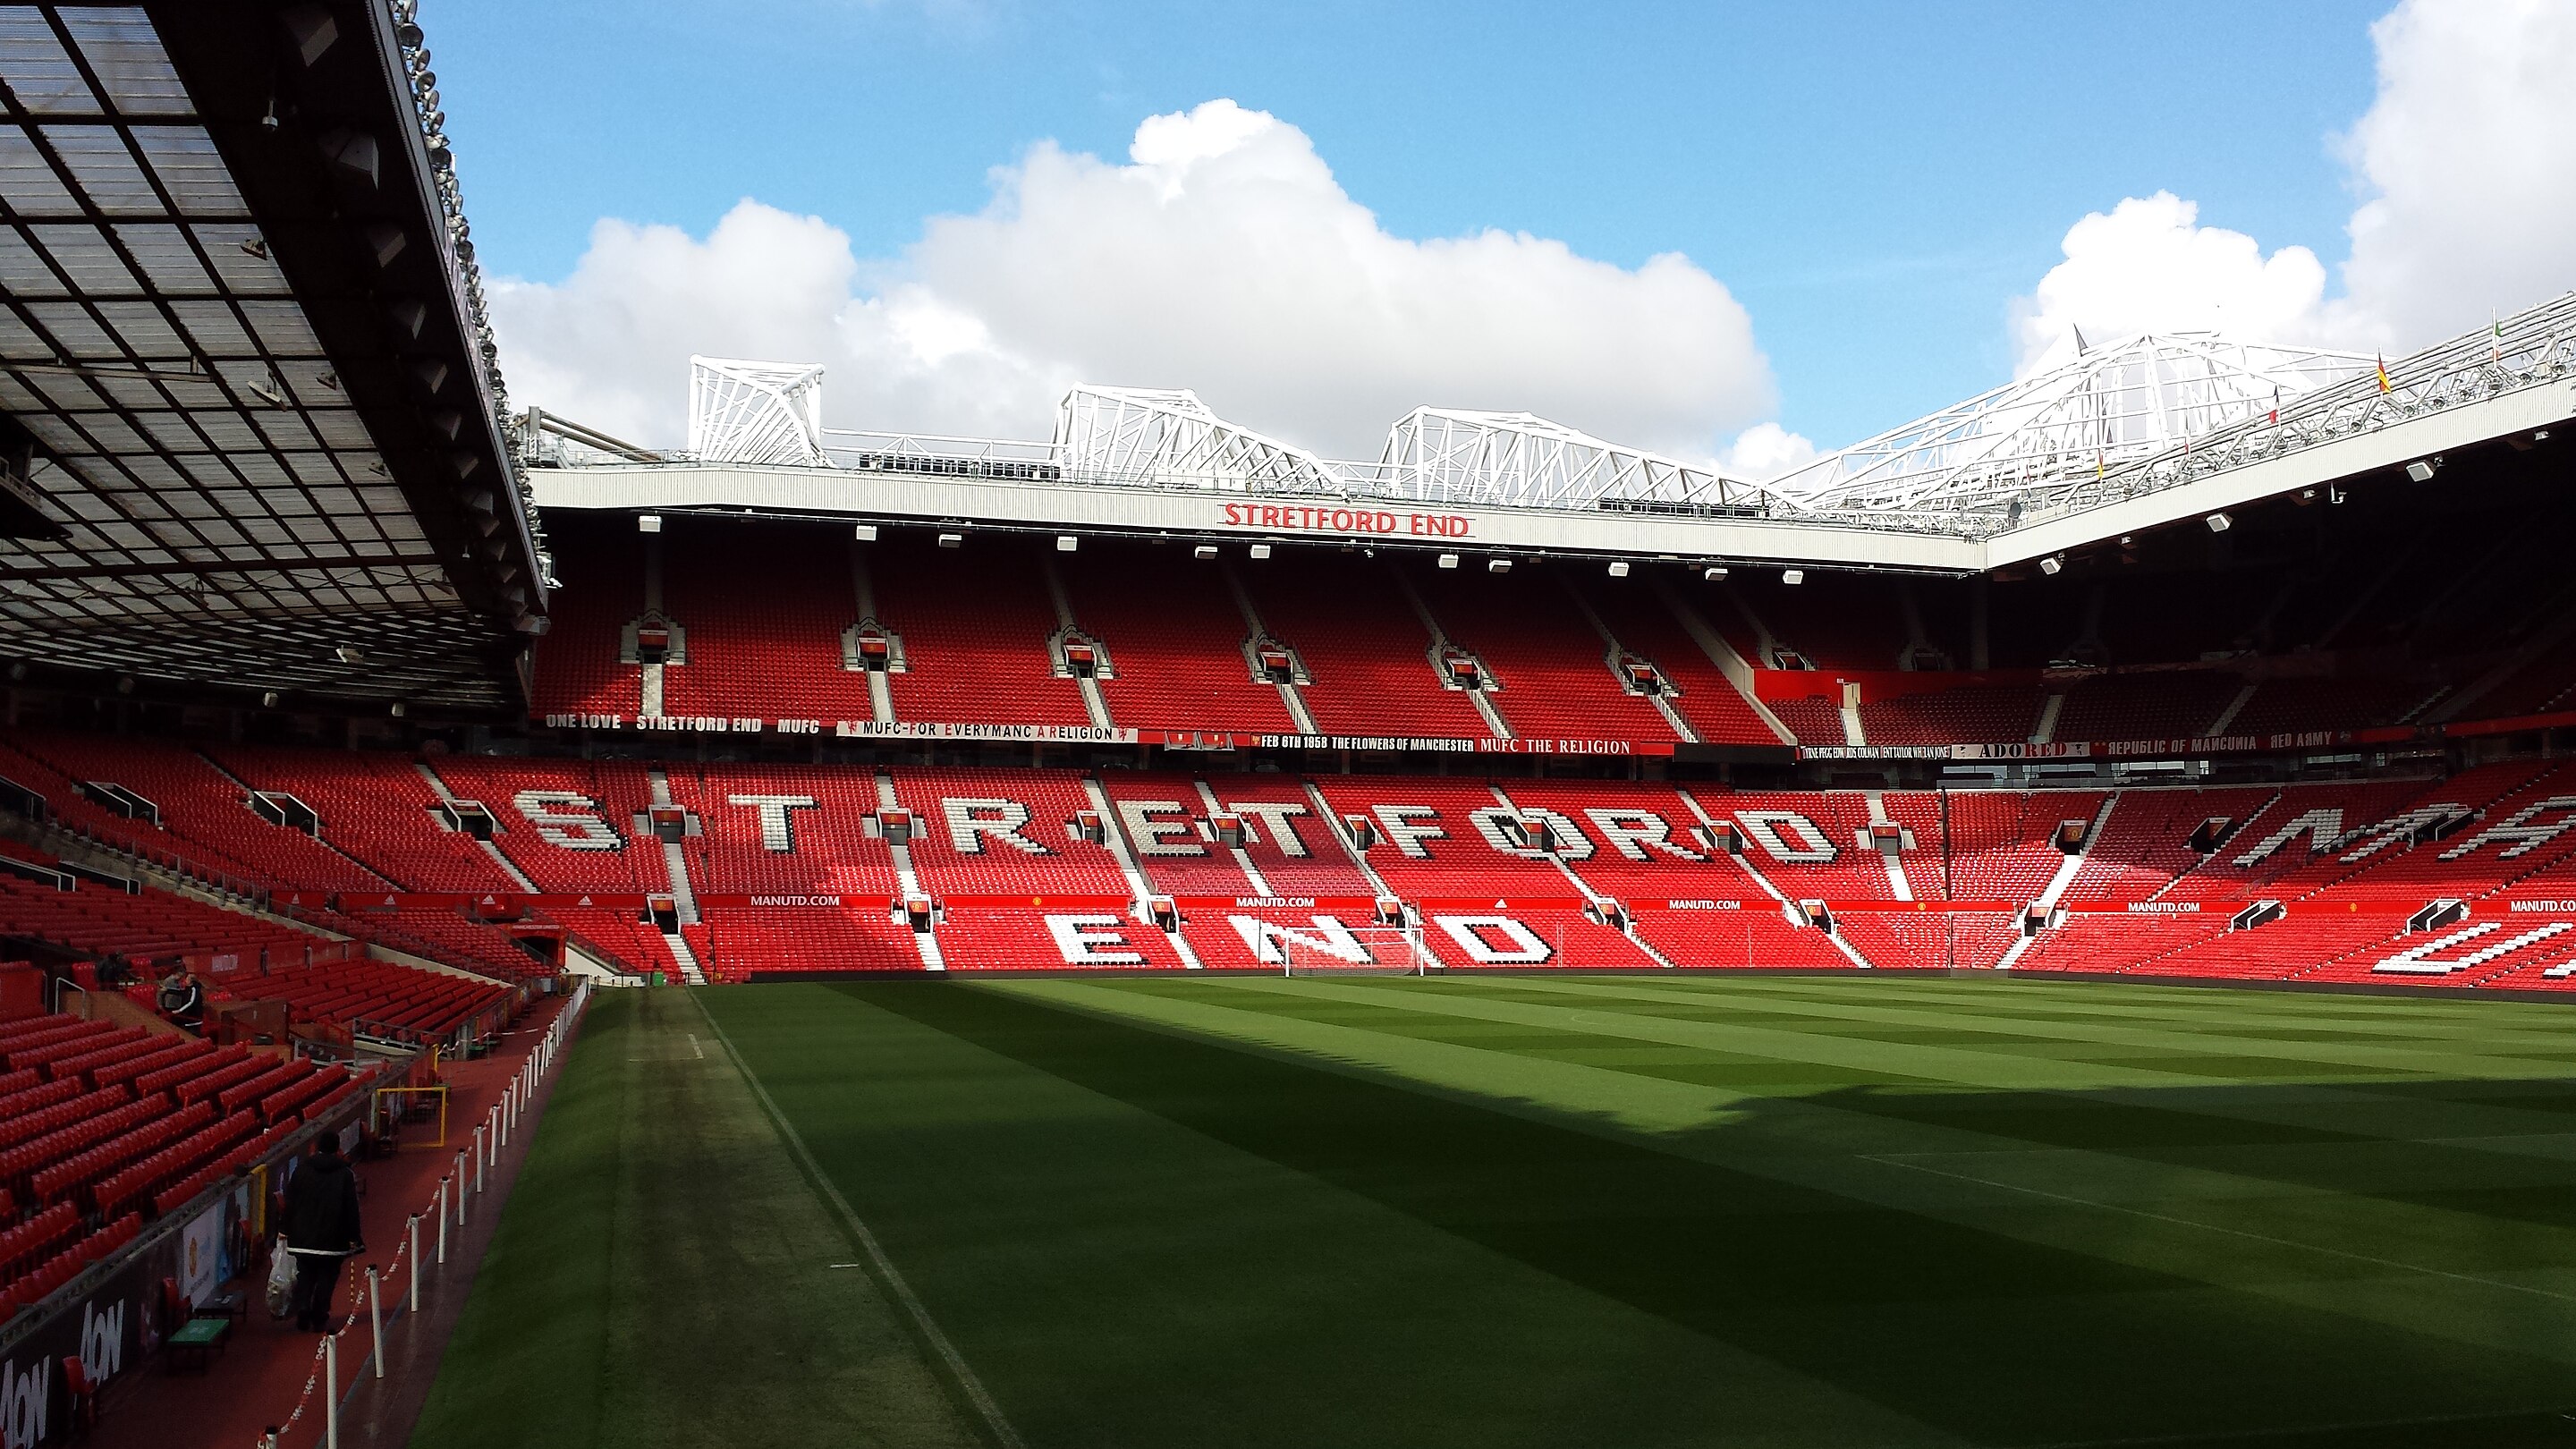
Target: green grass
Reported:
[(1546, 1211)]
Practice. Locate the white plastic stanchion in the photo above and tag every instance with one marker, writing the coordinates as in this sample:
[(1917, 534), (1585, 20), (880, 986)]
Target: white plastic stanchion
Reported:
[(462, 1196), (331, 1393), (376, 1316), (442, 1222), (415, 1262)]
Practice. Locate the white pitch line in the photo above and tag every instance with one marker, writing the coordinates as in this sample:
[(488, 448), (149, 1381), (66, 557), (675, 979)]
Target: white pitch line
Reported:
[(1892, 1161), (976, 1393)]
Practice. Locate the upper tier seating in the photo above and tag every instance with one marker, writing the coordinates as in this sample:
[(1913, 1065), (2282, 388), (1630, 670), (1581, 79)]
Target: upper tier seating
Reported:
[(1645, 625), (1175, 640), (1553, 665), (761, 607), (1814, 719), (601, 561), (1369, 655), (2167, 704), (1970, 713), (974, 637)]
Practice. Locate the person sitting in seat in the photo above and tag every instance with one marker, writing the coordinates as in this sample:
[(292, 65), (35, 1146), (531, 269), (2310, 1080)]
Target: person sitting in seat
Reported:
[(183, 1000)]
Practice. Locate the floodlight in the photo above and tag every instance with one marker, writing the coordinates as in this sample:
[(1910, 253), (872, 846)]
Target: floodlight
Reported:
[(866, 533), (2420, 470), (268, 700), (1260, 550), (1448, 560), (1618, 569), (1498, 565), (648, 523), (1204, 552), (1793, 576), (348, 654), (952, 540), (398, 710), (2052, 565), (1713, 574), (2219, 522), (1066, 543)]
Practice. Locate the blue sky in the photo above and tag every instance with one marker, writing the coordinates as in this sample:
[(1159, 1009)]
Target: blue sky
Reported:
[(1875, 183)]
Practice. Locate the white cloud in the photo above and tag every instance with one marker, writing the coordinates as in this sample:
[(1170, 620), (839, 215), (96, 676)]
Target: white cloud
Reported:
[(1221, 256), (1763, 452), (2466, 166), (2148, 266)]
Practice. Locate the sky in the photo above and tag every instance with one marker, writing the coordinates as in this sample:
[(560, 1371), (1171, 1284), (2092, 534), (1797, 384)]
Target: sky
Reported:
[(1733, 233)]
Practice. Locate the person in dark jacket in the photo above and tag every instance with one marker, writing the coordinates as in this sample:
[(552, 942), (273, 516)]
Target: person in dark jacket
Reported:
[(322, 1230)]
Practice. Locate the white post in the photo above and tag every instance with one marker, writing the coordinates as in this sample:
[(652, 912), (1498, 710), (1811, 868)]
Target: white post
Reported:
[(462, 1196), (415, 1262), (442, 1222), (330, 1392), (376, 1316), (478, 1159)]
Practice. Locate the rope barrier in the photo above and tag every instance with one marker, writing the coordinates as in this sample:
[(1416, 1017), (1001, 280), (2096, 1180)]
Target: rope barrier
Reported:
[(406, 1257)]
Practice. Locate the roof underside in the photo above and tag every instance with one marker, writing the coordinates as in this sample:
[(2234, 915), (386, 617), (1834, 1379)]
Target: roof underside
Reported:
[(262, 450)]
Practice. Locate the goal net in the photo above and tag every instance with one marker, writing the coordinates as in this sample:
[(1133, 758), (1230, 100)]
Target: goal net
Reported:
[(1352, 951)]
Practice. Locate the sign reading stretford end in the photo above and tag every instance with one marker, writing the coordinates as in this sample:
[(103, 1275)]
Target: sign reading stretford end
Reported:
[(1347, 522)]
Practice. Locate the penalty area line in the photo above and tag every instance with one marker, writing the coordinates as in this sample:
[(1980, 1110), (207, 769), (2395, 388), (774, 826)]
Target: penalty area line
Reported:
[(885, 1271), (2291, 1243)]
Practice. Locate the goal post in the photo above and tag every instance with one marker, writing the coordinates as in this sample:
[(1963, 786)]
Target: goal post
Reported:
[(1355, 951)]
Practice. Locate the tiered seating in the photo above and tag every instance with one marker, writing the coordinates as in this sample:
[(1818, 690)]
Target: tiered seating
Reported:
[(152, 926), (1553, 665), (1431, 847), (1019, 844), (2285, 706), (2163, 704), (1369, 655), (762, 606), (1163, 817), (1918, 942), (2003, 843), (1818, 854), (1814, 719), (826, 848), (974, 636), (1176, 639), (376, 807), (1315, 863), (591, 806), (577, 670), (735, 941), (1966, 713), (377, 998), (1645, 626), (204, 809)]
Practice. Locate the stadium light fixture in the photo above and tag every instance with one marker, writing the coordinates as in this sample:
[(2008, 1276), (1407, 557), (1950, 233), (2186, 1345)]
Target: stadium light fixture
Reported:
[(2421, 470), (1793, 576), (2052, 565), (1713, 574), (1066, 543), (1448, 560), (865, 533), (1203, 552), (398, 709), (1498, 565), (1260, 550), (648, 523), (2219, 522), (1618, 568), (952, 540), (349, 654), (268, 699)]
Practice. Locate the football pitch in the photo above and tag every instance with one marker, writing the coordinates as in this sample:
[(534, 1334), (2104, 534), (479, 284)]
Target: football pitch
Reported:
[(1508, 1211)]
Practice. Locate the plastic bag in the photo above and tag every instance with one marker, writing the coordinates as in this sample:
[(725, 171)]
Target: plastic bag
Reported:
[(281, 1279)]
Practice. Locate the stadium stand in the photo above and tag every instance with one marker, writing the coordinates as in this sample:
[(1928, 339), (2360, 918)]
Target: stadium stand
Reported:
[(1175, 639), (974, 635)]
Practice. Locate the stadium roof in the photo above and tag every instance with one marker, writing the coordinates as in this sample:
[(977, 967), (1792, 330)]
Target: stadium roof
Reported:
[(250, 401), (2141, 433)]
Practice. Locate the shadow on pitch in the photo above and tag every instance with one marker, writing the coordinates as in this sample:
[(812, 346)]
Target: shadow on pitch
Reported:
[(2023, 1320)]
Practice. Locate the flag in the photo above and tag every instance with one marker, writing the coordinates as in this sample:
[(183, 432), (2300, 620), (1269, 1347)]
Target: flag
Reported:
[(2495, 350), (2276, 405), (2383, 374), (2097, 463)]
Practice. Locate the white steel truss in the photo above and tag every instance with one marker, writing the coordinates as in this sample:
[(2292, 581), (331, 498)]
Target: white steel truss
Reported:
[(755, 412), (2531, 348), (1167, 437), (2018, 445), (1444, 455)]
